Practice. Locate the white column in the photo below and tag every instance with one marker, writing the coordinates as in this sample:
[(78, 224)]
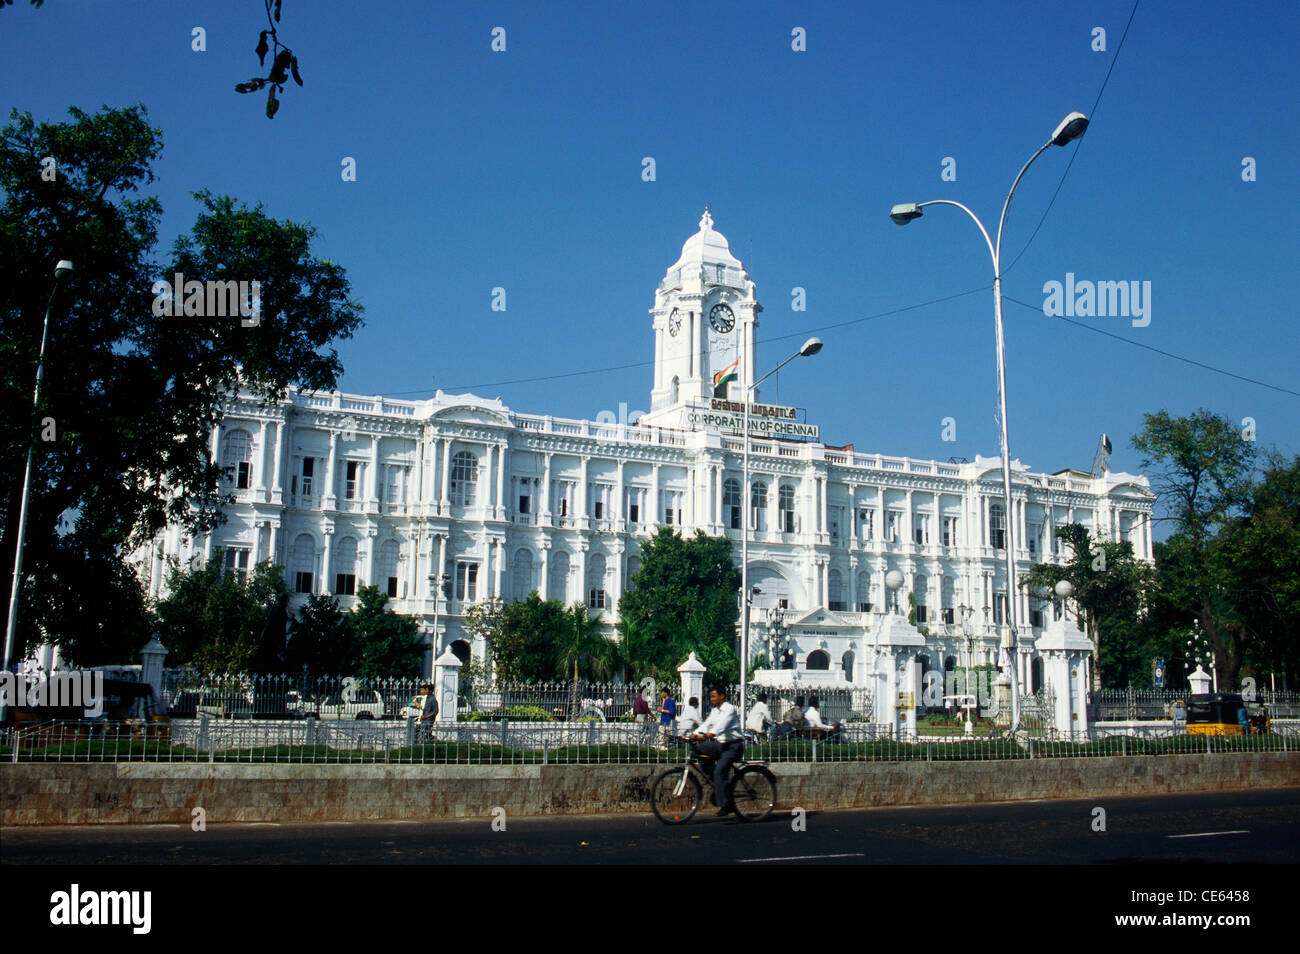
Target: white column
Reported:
[(823, 485), (544, 582), (442, 568), (324, 586), (328, 495), (259, 481), (546, 492), (372, 479), (501, 470), (277, 495), (581, 505), (413, 565), (618, 520), (655, 517), (500, 568), (444, 503)]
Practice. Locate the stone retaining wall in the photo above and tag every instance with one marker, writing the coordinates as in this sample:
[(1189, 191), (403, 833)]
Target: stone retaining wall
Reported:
[(152, 792)]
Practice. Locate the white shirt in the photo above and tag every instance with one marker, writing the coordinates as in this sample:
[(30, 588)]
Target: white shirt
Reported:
[(723, 723), (814, 718), (687, 719), (757, 715)]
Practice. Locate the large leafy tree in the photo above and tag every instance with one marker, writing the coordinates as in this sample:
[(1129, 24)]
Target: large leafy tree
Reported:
[(1202, 468), (582, 646), (522, 645), (390, 643), (214, 620), (321, 641), (130, 397), (682, 599), (1110, 587), (1261, 551)]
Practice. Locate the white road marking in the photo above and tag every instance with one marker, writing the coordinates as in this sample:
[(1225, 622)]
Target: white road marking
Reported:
[(1211, 834), (853, 854)]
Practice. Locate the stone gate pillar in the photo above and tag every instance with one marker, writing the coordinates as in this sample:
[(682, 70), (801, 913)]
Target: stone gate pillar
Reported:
[(692, 678), (446, 684), (1065, 650), (897, 673)]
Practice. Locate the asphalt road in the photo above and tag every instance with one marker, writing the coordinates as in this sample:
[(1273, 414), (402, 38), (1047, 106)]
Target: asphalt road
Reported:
[(1242, 827)]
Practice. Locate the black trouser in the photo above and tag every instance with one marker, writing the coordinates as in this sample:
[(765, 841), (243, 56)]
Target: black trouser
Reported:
[(724, 753)]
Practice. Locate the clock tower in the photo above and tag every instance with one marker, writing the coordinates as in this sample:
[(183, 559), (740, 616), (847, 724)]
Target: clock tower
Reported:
[(704, 318)]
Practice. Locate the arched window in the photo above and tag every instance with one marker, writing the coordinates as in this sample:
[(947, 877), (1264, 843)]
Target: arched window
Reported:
[(304, 563), (997, 526), (818, 659), (785, 509), (464, 479), (237, 458), (864, 592), (731, 503), (921, 590), (847, 663), (557, 586), (596, 581), (633, 568), (522, 574), (758, 506), (345, 567), (835, 590), (389, 553)]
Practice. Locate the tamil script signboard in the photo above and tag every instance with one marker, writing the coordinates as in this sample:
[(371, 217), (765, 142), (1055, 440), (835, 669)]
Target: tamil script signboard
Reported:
[(765, 420)]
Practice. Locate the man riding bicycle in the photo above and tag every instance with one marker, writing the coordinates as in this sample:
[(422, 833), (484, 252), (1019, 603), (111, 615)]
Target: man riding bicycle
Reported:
[(719, 740)]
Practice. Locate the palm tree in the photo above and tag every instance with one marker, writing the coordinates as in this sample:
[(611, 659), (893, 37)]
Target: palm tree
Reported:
[(581, 641)]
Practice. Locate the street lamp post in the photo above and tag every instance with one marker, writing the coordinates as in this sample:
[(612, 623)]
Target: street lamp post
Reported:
[(1070, 128), (436, 583), (810, 348), (969, 633), (61, 272)]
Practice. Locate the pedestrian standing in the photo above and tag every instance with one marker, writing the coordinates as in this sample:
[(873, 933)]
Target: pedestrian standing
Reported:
[(667, 713)]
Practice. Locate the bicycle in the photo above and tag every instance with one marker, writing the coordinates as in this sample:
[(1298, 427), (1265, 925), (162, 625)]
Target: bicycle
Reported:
[(676, 794)]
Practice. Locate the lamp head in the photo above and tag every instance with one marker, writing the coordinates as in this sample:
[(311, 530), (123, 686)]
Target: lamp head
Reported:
[(893, 579), (904, 213), (1071, 127), (62, 270), (810, 347), (1064, 589)]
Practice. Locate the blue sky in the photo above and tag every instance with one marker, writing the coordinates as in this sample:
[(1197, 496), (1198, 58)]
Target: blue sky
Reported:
[(522, 169)]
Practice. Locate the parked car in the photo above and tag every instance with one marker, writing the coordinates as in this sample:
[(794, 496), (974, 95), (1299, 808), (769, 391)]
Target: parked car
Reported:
[(415, 708), (367, 705)]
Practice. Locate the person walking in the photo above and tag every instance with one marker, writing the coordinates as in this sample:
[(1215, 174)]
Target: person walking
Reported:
[(640, 715), (428, 710)]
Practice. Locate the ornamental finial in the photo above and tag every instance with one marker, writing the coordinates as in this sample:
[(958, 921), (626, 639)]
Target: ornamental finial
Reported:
[(706, 221)]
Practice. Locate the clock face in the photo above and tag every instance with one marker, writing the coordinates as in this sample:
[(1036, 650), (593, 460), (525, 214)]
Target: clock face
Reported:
[(674, 322), (721, 318)]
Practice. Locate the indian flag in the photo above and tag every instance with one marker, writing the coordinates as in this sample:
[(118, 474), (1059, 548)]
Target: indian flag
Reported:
[(723, 377)]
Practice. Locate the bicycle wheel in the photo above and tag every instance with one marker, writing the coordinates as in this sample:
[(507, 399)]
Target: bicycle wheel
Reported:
[(753, 792), (675, 796)]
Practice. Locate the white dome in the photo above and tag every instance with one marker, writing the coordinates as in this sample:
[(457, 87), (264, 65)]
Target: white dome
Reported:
[(706, 247)]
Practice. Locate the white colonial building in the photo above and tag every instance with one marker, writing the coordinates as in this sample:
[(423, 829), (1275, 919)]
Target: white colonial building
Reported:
[(347, 490)]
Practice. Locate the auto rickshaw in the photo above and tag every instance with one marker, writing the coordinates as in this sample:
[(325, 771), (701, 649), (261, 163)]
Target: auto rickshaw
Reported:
[(1218, 713)]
